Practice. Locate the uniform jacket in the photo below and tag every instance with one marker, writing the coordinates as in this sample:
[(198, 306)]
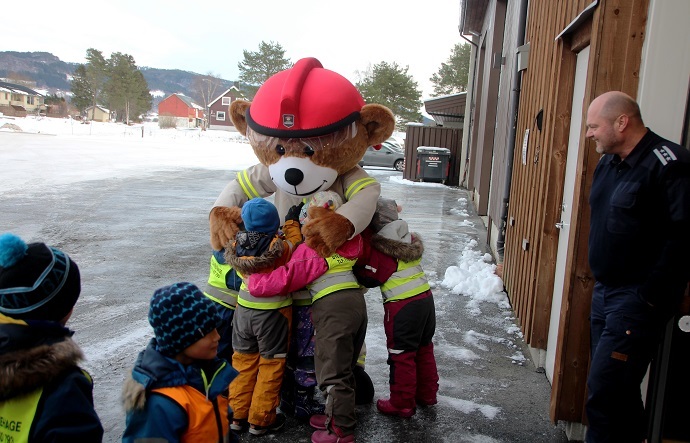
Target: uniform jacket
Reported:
[(36, 355), (155, 416), (356, 187), (304, 267), (640, 220)]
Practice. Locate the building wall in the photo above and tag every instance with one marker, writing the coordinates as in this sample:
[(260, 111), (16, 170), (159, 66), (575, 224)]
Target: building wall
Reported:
[(175, 107)]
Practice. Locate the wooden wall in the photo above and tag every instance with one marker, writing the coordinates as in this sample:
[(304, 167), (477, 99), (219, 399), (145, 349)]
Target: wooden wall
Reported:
[(435, 136), (614, 33)]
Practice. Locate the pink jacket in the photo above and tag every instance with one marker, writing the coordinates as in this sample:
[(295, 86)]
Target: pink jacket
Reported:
[(304, 267)]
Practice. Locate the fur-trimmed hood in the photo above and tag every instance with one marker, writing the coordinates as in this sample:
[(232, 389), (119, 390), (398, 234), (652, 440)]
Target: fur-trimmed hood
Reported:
[(397, 241), (33, 354), (247, 265), (154, 370)]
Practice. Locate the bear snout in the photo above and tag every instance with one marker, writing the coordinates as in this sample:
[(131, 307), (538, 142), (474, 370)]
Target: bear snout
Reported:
[(294, 176)]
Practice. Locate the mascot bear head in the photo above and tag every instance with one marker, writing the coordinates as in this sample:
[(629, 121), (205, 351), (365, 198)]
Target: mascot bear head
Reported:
[(309, 125)]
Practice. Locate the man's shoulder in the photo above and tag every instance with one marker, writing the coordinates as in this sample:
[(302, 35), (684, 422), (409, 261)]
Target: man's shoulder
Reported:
[(665, 152)]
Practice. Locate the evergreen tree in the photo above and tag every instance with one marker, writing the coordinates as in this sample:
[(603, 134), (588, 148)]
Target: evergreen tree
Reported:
[(89, 79), (451, 77), (126, 90), (82, 93), (391, 85), (258, 66)]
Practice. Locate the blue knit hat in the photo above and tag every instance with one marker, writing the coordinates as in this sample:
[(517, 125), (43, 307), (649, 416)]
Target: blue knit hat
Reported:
[(261, 216), (181, 315), (37, 282)]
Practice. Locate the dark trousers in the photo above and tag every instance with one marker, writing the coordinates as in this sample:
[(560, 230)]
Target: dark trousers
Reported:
[(410, 325), (625, 334), (340, 325)]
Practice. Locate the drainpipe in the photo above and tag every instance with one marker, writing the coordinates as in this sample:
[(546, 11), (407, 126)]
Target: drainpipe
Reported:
[(470, 92), (515, 101)]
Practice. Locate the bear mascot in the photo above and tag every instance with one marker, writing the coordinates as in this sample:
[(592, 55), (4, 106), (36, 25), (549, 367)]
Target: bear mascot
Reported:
[(309, 128)]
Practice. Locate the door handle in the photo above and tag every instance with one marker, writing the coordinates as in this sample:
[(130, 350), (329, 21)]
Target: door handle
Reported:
[(561, 225)]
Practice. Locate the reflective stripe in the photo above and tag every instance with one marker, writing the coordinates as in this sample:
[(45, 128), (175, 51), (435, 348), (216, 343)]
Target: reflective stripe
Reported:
[(244, 298), (227, 299), (301, 298), (409, 280), (358, 185), (17, 415), (246, 184), (338, 277)]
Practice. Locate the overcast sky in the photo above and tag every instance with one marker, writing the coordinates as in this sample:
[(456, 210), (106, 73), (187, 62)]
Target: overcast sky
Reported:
[(209, 36)]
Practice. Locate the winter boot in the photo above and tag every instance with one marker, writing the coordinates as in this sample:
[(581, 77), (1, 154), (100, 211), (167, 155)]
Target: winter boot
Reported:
[(276, 426), (332, 436), (318, 422), (386, 407)]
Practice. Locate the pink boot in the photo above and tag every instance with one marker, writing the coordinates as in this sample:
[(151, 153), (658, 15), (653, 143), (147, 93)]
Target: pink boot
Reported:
[(318, 422), (387, 408), (336, 436)]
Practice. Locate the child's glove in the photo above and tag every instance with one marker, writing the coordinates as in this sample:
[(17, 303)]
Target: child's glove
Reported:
[(293, 212)]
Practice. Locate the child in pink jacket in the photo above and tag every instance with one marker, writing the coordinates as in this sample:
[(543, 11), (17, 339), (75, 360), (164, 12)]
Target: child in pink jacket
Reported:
[(340, 320)]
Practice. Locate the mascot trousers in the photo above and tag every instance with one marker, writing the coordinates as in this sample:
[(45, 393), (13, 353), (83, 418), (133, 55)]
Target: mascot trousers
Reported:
[(410, 325), (260, 340), (340, 324), (625, 334)]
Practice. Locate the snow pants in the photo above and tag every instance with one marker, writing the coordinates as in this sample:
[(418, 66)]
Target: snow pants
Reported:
[(625, 335), (340, 325), (260, 341), (410, 325)]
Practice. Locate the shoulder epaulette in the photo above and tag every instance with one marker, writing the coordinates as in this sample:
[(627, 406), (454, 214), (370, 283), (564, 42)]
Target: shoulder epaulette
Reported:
[(665, 155)]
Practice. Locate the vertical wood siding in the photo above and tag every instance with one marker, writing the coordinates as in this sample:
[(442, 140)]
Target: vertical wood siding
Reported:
[(615, 34)]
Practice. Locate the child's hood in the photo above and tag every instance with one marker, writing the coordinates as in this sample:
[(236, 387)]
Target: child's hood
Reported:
[(396, 240), (247, 264), (353, 248), (33, 355), (153, 370)]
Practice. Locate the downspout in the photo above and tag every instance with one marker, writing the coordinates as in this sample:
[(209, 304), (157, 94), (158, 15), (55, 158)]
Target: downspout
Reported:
[(471, 91), (514, 106)]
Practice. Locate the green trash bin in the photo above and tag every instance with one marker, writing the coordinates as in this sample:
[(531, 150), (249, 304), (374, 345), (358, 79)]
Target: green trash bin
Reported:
[(433, 164)]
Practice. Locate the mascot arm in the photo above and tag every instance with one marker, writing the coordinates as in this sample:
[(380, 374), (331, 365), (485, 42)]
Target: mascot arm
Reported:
[(362, 195), (224, 219)]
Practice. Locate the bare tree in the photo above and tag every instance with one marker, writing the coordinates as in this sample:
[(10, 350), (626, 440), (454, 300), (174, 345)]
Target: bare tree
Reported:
[(206, 88)]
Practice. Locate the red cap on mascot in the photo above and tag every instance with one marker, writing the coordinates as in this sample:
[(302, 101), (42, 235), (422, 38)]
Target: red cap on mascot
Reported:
[(304, 101)]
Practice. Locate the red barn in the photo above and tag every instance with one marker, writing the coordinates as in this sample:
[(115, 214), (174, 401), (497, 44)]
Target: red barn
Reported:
[(179, 111)]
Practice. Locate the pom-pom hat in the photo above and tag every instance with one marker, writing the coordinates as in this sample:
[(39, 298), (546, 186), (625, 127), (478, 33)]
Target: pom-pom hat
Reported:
[(304, 101), (37, 282), (261, 216), (181, 315)]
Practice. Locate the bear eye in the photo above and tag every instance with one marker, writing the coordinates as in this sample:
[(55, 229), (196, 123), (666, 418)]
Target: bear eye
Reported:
[(309, 150), (280, 149)]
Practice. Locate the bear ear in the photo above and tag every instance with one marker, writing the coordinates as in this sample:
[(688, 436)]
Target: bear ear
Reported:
[(238, 110), (379, 122)]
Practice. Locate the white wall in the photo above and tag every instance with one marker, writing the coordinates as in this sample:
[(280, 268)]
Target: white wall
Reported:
[(665, 68)]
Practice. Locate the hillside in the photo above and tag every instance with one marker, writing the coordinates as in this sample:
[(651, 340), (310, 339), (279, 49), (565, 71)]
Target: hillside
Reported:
[(52, 74)]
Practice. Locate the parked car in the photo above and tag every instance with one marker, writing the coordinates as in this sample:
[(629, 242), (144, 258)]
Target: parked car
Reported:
[(390, 155)]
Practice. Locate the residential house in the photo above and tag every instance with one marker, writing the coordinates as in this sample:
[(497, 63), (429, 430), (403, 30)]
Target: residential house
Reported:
[(535, 67), (179, 111), (18, 100), (97, 114), (219, 110)]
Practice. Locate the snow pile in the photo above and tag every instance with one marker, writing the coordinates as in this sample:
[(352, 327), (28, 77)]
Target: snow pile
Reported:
[(474, 277)]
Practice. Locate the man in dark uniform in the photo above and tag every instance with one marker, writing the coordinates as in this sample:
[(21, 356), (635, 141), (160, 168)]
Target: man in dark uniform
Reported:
[(639, 250)]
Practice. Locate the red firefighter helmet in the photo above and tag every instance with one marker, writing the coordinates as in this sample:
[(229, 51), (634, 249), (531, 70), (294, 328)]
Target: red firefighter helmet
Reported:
[(304, 101)]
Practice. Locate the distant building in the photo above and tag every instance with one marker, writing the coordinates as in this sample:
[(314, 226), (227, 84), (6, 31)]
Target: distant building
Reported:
[(18, 100), (219, 110), (178, 110), (97, 114)]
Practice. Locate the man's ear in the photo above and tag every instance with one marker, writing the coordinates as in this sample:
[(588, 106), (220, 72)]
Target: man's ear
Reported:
[(238, 110), (379, 122)]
